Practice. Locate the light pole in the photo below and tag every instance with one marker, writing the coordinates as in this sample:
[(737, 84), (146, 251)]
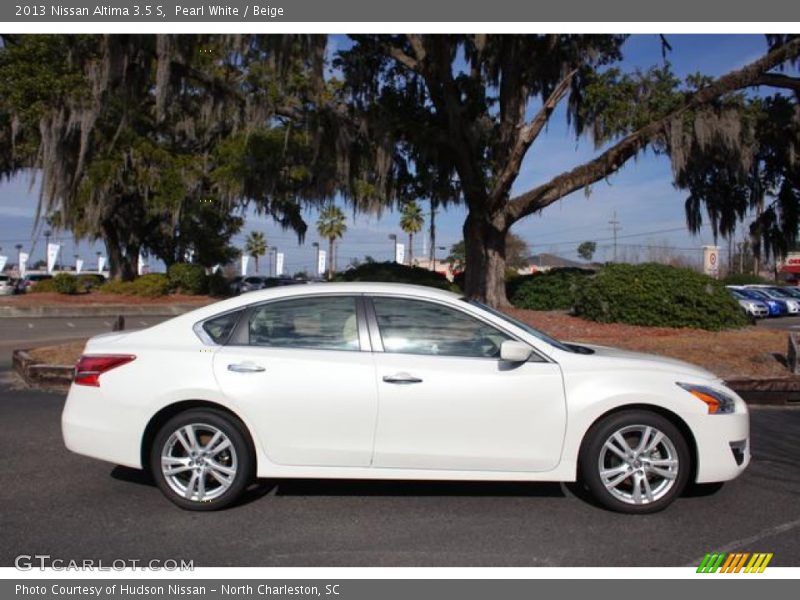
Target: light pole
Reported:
[(393, 237), (269, 256), (315, 270), (433, 256), (47, 235)]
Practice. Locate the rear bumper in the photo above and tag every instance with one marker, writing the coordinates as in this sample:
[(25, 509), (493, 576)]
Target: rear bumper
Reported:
[(95, 427)]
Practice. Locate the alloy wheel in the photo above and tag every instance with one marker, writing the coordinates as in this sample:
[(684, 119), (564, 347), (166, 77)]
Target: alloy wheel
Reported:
[(199, 462), (638, 464)]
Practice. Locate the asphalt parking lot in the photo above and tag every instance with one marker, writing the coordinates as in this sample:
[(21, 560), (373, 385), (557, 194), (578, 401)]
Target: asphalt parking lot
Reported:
[(786, 323), (70, 507)]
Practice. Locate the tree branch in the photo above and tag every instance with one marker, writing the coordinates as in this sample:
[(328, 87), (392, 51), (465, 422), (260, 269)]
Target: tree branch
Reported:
[(779, 81), (526, 136), (418, 46), (612, 159)]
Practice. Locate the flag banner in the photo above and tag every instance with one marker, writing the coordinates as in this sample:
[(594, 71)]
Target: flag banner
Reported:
[(3, 261), (78, 265), (23, 263), (279, 264), (101, 263), (142, 266), (245, 262), (323, 257), (52, 255), (399, 253)]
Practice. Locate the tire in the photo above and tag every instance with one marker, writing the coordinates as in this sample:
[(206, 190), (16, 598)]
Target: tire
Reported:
[(635, 479), (202, 459)]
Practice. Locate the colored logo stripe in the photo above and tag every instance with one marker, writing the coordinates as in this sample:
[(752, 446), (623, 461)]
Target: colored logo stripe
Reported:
[(734, 562)]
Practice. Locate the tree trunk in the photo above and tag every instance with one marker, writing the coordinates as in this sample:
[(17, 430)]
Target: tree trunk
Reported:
[(330, 259), (117, 267), (485, 248), (410, 251)]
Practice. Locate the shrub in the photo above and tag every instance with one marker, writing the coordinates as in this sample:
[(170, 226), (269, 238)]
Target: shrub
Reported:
[(125, 288), (395, 273), (659, 296), (151, 285), (64, 283), (43, 286), (90, 281), (188, 278), (552, 290), (218, 286)]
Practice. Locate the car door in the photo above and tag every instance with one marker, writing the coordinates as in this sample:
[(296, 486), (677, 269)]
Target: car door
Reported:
[(299, 369), (448, 402)]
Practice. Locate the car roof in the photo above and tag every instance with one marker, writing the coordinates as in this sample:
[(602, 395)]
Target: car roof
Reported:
[(344, 287), (290, 291)]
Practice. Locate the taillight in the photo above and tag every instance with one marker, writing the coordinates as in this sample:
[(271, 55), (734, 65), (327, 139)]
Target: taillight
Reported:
[(89, 368)]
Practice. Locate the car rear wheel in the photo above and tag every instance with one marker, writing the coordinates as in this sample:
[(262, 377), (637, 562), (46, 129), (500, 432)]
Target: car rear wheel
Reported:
[(635, 462), (202, 460)]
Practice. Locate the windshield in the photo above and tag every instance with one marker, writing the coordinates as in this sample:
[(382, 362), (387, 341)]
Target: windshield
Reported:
[(532, 330), (780, 293)]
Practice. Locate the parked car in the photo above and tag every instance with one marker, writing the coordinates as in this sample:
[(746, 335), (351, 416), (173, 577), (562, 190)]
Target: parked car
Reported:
[(777, 293), (261, 282), (235, 285), (6, 285), (390, 381), (24, 284), (754, 308), (793, 291), (777, 308)]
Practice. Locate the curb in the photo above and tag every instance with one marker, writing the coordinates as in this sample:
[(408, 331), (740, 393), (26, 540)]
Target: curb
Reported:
[(772, 391), (41, 376), (97, 310)]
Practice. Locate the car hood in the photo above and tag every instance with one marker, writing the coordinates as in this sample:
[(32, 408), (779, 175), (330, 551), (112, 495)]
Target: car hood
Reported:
[(640, 360)]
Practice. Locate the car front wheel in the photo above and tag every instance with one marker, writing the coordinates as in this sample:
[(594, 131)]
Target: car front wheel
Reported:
[(201, 459), (635, 462)]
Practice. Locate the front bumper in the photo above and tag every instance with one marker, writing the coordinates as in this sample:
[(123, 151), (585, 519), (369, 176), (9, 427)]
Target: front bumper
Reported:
[(723, 446)]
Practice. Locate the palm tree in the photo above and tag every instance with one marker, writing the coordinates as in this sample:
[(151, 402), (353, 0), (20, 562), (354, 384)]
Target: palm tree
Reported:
[(330, 226), (255, 245), (411, 221)]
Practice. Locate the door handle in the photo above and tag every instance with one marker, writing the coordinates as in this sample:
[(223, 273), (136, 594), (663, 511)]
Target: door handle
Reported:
[(245, 368), (401, 378)]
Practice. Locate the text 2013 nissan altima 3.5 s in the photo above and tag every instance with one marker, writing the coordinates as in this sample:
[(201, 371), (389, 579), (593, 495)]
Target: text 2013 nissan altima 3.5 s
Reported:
[(387, 381)]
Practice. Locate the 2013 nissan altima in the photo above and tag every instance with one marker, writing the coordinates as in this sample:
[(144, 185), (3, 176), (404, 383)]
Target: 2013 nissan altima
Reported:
[(387, 381)]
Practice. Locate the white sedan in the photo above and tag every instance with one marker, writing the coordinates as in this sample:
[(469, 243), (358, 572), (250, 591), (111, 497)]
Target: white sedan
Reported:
[(387, 381)]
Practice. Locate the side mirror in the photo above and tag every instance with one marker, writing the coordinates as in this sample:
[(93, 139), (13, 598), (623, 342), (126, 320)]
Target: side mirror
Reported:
[(515, 352)]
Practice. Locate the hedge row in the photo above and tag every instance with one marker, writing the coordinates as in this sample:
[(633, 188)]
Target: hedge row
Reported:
[(650, 294), (657, 295), (550, 290), (180, 278)]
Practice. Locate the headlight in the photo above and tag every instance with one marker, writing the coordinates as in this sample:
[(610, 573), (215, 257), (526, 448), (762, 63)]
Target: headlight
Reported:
[(718, 402)]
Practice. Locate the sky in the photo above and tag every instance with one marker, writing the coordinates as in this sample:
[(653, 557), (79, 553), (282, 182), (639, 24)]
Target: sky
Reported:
[(641, 197)]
